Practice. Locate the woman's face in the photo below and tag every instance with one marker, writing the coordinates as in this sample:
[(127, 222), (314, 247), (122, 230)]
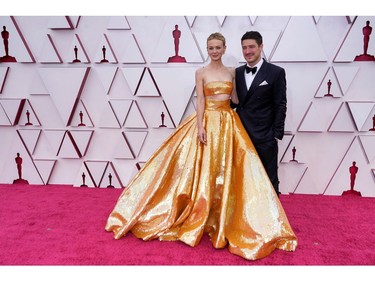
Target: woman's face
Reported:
[(215, 49)]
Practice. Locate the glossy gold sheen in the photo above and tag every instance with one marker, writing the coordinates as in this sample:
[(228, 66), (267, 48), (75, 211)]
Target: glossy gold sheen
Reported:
[(187, 189)]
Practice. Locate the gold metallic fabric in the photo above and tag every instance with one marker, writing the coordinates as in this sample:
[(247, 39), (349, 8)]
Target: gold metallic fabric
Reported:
[(217, 88), (187, 189)]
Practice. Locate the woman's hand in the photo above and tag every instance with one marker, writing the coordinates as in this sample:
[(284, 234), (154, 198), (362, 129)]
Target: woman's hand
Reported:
[(202, 136)]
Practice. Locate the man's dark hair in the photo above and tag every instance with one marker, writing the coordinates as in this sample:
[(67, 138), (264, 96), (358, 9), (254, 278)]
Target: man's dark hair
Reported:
[(253, 35)]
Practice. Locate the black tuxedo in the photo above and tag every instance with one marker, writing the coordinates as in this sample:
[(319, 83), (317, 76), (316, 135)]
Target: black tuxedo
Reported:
[(262, 110)]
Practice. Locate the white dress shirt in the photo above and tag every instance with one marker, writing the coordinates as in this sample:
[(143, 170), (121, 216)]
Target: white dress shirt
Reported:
[(249, 77)]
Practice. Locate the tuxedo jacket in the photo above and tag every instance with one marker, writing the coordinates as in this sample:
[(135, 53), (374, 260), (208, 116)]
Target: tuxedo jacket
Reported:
[(262, 107)]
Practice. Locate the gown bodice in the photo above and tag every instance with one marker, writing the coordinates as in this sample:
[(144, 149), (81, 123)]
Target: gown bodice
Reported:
[(218, 87)]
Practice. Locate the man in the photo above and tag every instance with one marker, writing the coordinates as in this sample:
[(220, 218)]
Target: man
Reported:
[(261, 90)]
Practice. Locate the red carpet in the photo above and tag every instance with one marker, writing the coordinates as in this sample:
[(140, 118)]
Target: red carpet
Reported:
[(64, 225)]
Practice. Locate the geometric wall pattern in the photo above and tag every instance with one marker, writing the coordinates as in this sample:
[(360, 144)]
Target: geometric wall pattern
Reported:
[(85, 98)]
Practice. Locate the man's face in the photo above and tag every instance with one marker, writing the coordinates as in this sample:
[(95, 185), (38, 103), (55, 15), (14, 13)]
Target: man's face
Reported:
[(251, 51)]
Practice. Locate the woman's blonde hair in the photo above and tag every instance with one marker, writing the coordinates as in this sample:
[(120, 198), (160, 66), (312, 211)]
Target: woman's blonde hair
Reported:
[(218, 36)]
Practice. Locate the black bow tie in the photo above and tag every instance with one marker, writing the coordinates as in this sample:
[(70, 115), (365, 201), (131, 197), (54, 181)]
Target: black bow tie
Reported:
[(251, 69)]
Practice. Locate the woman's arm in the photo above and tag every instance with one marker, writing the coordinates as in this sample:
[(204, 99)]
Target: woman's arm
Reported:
[(234, 97), (202, 136)]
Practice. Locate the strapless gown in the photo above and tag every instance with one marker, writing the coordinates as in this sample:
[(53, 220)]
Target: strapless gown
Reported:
[(187, 189)]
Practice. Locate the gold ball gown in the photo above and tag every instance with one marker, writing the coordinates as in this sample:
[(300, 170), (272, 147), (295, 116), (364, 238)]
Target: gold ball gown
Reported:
[(187, 189)]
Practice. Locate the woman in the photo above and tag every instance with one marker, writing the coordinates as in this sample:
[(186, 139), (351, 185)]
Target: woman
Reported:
[(206, 178)]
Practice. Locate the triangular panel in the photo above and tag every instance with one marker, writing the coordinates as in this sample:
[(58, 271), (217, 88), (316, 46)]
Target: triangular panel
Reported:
[(4, 119), (27, 167), (37, 86), (345, 75), (84, 178), (132, 51), (74, 20), (133, 76), (68, 148), (290, 176), (30, 139), (108, 118), (96, 170), (147, 87), (283, 146), (118, 22), (221, 19), (104, 52), (28, 116), (110, 178), (135, 118), (122, 149), (81, 118), (320, 115), (3, 76), (120, 89), (360, 112), (329, 86), (54, 138), (308, 47), (296, 149), (182, 88), (106, 76), (82, 139), (162, 119), (153, 141), (13, 109), (43, 149), (190, 109), (49, 53), (341, 180), (65, 86), (368, 144), (121, 109), (77, 52), (312, 121), (135, 140), (343, 121), (190, 20), (308, 185), (60, 22), (45, 168), (302, 85)]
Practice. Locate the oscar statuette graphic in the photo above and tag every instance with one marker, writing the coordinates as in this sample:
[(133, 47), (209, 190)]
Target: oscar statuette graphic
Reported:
[(20, 180), (353, 170), (294, 150), (76, 55), (176, 37), (104, 51), (366, 30), (28, 119), (329, 84), (110, 181), (7, 57), (81, 118), (373, 124), (83, 180), (162, 120)]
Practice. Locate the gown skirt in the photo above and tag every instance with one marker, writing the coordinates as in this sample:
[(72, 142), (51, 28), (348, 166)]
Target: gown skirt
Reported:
[(187, 189)]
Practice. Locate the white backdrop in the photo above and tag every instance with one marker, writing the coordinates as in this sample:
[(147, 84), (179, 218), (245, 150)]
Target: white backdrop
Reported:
[(122, 101)]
